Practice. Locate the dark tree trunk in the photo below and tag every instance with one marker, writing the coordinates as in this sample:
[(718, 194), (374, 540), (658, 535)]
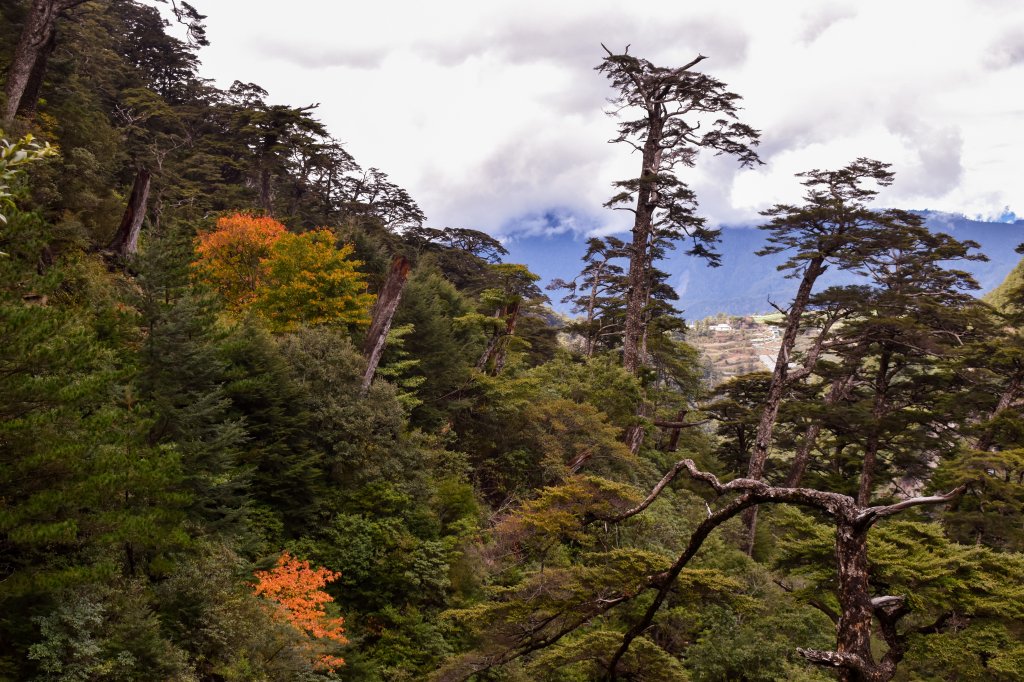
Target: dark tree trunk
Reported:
[(878, 410), (126, 240), (639, 267), (383, 312), (777, 388), (28, 63), (266, 191), (591, 305), (30, 97), (839, 390), (853, 632), (492, 345), (635, 435), (675, 430), (494, 353), (803, 455)]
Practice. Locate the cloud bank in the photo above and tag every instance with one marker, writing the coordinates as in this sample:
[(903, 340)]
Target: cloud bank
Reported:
[(492, 116)]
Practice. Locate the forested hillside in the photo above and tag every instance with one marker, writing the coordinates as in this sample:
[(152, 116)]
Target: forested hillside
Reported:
[(261, 420)]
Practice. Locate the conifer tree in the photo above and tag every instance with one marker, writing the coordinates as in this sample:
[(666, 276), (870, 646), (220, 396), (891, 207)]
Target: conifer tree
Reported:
[(180, 380), (597, 292), (672, 104)]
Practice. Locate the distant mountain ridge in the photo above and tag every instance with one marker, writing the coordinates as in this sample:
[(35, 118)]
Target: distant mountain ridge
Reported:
[(745, 283)]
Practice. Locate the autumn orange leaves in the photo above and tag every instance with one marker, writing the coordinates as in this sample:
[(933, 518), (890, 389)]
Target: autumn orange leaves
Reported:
[(286, 279), (293, 588), (232, 257)]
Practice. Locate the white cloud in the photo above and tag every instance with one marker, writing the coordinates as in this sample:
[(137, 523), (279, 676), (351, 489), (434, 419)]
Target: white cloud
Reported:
[(491, 112)]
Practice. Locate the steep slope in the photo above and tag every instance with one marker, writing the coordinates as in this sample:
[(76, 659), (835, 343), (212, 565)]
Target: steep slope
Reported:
[(1000, 296)]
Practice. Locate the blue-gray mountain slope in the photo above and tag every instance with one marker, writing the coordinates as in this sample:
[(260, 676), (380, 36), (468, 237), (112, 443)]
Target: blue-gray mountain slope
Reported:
[(745, 282)]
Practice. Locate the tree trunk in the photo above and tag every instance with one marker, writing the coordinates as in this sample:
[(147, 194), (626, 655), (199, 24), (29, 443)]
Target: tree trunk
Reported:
[(266, 193), (492, 344), (636, 281), (635, 435), (853, 632), (673, 439), (770, 412), (28, 63), (839, 390), (777, 388), (878, 410), (591, 305), (495, 351), (126, 240), (30, 96), (803, 455), (383, 313)]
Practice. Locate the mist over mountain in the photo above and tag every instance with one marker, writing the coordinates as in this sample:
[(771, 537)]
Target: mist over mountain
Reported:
[(745, 282)]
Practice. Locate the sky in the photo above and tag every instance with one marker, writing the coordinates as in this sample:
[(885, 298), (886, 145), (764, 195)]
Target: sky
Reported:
[(491, 115)]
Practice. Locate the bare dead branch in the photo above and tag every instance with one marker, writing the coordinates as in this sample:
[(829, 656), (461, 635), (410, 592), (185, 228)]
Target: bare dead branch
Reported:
[(833, 659), (655, 492), (872, 514), (886, 601)]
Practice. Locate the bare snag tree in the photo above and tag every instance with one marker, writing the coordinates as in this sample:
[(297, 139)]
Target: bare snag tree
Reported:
[(388, 298), (680, 112)]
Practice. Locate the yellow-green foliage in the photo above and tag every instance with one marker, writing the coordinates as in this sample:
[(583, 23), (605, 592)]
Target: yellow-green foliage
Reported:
[(561, 513), (586, 657), (13, 157), (309, 281), (1001, 296)]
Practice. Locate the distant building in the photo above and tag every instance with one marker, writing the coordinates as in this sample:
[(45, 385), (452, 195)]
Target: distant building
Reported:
[(721, 327)]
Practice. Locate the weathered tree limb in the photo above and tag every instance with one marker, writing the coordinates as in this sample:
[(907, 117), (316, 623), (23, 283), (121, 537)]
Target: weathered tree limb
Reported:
[(669, 577), (872, 514), (833, 659), (853, 657), (655, 492), (383, 312), (887, 601)]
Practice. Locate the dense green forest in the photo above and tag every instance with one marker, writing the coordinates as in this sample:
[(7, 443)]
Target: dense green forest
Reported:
[(260, 421)]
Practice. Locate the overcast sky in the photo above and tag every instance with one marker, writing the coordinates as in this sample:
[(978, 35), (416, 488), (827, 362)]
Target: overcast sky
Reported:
[(491, 115)]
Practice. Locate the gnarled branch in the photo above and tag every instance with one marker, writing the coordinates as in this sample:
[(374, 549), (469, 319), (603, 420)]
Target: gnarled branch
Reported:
[(872, 514)]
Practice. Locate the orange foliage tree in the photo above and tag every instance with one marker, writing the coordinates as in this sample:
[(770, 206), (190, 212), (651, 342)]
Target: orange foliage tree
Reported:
[(295, 589), (233, 256), (287, 279)]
